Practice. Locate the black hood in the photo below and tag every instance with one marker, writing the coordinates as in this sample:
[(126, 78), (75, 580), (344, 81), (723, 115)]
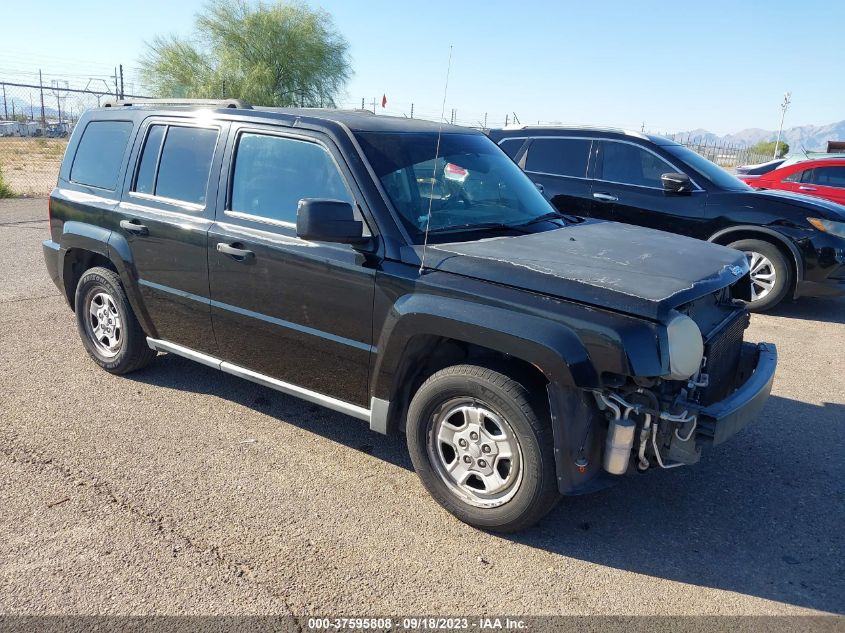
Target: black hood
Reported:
[(616, 266)]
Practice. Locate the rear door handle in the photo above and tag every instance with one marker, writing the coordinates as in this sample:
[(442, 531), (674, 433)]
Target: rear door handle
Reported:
[(605, 197), (233, 251), (806, 188), (135, 227)]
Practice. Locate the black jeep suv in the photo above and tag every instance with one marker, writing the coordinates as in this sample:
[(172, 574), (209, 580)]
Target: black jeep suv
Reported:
[(412, 276), (795, 244)]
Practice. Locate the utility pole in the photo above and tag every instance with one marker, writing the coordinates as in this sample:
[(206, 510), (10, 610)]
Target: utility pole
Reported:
[(43, 115), (412, 110), (362, 103), (121, 81), (783, 106), (374, 105), (116, 91)]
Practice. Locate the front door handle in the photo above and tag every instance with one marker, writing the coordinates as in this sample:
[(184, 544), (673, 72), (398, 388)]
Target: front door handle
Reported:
[(806, 188), (605, 197), (135, 227), (233, 251)]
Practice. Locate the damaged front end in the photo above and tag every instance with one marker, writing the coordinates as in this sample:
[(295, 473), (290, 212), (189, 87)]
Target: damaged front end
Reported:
[(666, 423), (714, 384)]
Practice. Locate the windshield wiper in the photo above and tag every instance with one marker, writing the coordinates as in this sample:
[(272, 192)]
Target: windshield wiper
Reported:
[(551, 215), (457, 228)]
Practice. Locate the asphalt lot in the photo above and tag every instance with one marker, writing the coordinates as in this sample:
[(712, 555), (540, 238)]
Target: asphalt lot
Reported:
[(181, 490)]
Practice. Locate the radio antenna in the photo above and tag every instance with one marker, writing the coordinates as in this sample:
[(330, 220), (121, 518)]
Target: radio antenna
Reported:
[(436, 156)]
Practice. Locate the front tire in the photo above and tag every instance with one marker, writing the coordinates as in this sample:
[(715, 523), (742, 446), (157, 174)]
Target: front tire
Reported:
[(771, 274), (110, 332), (482, 448)]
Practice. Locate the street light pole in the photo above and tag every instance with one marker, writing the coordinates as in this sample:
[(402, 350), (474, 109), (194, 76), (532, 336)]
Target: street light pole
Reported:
[(783, 106)]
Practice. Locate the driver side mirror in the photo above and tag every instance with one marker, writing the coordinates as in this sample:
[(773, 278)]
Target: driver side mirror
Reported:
[(321, 220), (676, 183)]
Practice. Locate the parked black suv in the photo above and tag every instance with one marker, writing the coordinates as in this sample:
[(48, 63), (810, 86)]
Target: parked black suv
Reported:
[(651, 181), (410, 276)]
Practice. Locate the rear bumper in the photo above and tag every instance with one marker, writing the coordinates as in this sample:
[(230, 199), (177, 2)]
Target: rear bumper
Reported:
[(51, 260), (721, 420)]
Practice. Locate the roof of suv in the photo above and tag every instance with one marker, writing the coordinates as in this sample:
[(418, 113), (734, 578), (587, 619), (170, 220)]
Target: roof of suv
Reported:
[(580, 130), (354, 120)]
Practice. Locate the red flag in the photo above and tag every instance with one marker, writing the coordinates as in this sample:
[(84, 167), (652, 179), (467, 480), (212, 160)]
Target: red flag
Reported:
[(383, 101)]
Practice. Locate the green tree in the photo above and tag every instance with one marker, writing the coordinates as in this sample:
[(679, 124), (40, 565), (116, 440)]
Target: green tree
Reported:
[(767, 148), (282, 54)]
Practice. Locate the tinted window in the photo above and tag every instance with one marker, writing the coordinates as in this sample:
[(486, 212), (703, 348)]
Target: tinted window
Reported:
[(803, 175), (511, 145), (632, 165), (829, 176), (100, 153), (145, 180), (186, 163), (563, 157), (272, 174)]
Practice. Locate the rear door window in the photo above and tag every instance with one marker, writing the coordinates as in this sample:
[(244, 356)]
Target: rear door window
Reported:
[(145, 180), (559, 156), (185, 163), (99, 154), (628, 164), (805, 175)]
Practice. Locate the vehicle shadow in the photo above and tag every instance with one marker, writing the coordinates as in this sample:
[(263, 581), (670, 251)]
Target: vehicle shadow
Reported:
[(761, 515), (822, 309), (174, 372)]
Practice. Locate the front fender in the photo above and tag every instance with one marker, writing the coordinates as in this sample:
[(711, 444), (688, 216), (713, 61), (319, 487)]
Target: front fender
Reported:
[(550, 346)]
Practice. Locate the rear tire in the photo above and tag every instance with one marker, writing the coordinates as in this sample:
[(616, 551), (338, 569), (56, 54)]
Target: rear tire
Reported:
[(482, 448), (772, 276), (110, 332)]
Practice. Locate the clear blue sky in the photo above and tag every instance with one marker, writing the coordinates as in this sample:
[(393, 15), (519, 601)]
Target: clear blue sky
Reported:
[(719, 65)]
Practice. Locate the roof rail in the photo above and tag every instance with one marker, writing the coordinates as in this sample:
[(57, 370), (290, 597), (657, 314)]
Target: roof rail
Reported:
[(220, 103)]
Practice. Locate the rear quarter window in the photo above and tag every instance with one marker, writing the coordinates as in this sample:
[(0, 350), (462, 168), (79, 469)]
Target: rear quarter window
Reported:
[(99, 154)]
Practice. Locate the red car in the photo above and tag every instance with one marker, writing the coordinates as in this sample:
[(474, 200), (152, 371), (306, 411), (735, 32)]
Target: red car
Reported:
[(824, 178)]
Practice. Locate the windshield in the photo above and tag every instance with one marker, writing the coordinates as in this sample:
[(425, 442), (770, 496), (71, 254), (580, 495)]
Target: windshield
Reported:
[(711, 171), (471, 185)]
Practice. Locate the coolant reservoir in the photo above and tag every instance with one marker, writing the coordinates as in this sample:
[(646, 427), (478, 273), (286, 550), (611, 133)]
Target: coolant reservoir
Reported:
[(617, 449)]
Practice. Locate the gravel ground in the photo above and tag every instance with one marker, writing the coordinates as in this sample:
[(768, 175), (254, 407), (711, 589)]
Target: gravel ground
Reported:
[(181, 490)]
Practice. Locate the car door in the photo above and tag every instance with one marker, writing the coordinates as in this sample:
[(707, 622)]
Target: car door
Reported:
[(294, 310), (627, 188), (798, 180), (559, 166), (164, 215)]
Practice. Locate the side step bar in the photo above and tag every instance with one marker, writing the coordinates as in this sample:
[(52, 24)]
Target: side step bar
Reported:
[(376, 416)]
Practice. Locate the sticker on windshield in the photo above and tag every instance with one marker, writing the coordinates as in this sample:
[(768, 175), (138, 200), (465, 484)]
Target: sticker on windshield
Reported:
[(455, 172)]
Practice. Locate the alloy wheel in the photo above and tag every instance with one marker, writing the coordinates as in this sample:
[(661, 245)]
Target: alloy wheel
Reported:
[(475, 452), (763, 275), (103, 324)]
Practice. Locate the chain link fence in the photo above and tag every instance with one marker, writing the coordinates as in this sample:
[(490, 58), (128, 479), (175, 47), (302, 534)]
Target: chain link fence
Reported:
[(36, 121)]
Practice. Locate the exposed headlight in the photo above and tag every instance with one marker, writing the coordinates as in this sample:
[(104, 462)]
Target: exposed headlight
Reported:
[(828, 226), (686, 347)]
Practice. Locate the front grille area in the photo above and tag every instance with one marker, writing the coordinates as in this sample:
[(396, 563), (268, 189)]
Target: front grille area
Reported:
[(722, 348)]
